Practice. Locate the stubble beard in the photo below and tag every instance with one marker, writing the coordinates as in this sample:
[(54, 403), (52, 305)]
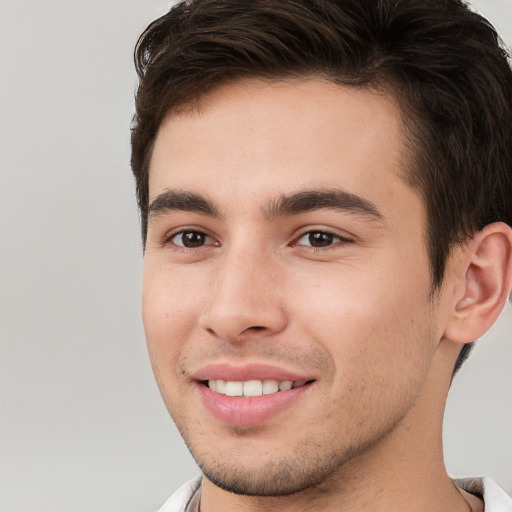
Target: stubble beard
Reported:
[(318, 461), (301, 470), (310, 465), (322, 462)]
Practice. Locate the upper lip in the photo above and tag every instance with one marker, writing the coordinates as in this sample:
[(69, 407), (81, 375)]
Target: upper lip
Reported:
[(245, 372)]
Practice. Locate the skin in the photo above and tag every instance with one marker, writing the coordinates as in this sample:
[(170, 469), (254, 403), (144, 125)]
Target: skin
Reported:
[(354, 315)]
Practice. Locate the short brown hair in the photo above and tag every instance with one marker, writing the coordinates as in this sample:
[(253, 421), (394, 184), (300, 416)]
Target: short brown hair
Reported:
[(443, 63)]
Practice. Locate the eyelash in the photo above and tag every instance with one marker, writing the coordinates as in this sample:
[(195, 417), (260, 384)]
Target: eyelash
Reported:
[(332, 240), (171, 239), (335, 239)]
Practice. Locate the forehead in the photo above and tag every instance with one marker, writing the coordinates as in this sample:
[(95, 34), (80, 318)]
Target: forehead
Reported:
[(255, 138)]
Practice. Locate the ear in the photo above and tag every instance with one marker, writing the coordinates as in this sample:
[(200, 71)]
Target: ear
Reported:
[(483, 271)]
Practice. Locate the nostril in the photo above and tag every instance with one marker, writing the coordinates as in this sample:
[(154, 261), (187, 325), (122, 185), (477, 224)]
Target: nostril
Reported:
[(257, 328)]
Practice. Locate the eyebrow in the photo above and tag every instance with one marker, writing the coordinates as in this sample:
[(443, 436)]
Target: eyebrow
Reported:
[(181, 200), (332, 199), (284, 206)]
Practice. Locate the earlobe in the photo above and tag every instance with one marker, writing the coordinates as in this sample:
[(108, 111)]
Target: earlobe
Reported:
[(485, 267)]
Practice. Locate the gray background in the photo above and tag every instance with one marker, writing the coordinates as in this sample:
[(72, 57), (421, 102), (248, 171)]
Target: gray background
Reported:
[(82, 425)]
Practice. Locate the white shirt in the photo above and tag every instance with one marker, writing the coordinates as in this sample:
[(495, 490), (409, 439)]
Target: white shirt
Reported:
[(187, 497)]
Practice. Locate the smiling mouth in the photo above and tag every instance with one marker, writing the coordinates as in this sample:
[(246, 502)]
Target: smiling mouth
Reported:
[(252, 387)]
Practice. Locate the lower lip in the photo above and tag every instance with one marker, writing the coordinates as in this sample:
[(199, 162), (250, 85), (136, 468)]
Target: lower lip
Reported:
[(245, 411)]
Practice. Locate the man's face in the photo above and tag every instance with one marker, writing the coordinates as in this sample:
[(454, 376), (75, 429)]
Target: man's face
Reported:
[(283, 245)]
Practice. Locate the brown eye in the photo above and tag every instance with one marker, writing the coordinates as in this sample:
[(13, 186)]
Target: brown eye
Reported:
[(320, 239), (191, 239)]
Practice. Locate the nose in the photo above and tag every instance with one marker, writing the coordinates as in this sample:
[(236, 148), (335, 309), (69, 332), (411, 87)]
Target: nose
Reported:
[(246, 298)]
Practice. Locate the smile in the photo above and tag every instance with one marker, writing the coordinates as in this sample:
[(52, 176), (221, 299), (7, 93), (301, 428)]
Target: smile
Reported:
[(252, 387)]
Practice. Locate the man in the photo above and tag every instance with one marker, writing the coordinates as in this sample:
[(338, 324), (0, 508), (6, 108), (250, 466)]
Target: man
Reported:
[(325, 189)]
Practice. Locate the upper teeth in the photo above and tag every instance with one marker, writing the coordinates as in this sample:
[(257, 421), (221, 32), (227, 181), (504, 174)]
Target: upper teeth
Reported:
[(252, 387)]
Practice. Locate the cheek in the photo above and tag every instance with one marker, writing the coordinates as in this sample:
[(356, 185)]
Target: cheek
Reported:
[(168, 314), (381, 348), (370, 325)]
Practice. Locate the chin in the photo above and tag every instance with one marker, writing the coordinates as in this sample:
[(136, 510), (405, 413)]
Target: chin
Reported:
[(283, 480), (267, 476)]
